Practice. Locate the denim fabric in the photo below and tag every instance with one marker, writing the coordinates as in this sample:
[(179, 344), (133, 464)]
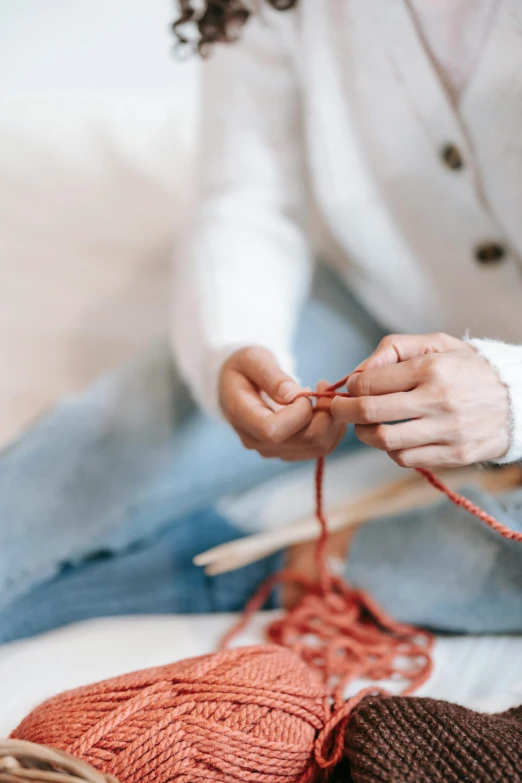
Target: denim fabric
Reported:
[(104, 502), (156, 576), (132, 456), (439, 566)]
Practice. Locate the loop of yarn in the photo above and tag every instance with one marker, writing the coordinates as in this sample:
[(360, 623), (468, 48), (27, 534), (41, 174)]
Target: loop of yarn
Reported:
[(268, 714), (341, 632), (343, 635)]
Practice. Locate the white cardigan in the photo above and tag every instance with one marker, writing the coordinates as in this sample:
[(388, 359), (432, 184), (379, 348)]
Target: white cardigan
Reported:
[(339, 100)]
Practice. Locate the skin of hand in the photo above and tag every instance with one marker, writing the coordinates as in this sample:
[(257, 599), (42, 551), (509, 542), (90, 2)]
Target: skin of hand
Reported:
[(292, 429), (451, 407)]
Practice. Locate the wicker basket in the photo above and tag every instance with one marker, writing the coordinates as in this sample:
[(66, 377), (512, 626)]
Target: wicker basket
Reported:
[(21, 762)]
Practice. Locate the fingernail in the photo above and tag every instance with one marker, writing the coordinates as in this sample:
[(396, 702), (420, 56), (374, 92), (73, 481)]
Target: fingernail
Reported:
[(287, 391), (351, 380), (270, 403)]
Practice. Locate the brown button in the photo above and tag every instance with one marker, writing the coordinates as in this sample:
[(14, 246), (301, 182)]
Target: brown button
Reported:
[(451, 156), (490, 252)]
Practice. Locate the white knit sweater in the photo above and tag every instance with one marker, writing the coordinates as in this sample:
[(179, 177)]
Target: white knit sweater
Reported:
[(341, 102)]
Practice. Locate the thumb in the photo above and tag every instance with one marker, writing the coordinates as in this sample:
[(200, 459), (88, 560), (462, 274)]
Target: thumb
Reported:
[(260, 366)]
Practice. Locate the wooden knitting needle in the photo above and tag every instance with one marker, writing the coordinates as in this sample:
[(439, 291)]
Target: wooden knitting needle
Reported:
[(390, 498)]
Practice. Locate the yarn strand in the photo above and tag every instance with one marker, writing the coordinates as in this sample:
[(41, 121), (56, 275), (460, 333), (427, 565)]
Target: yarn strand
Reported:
[(470, 507), (267, 714), (341, 632), (459, 500)]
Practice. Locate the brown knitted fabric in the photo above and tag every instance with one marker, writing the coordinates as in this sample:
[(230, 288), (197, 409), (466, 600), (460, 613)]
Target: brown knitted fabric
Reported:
[(411, 740)]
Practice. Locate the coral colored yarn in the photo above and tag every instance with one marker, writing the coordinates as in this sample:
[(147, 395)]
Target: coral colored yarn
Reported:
[(459, 500), (267, 714), (249, 714)]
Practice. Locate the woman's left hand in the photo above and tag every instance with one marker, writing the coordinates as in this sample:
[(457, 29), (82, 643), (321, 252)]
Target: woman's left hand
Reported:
[(451, 406)]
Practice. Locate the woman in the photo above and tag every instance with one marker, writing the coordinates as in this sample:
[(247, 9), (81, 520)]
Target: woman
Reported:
[(398, 121), (389, 110)]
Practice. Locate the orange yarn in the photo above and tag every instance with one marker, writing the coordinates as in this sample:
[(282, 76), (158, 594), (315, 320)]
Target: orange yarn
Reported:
[(454, 497), (470, 507), (266, 714), (249, 715), (342, 634)]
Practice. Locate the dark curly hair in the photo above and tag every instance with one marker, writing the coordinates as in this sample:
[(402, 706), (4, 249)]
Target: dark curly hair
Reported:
[(215, 21)]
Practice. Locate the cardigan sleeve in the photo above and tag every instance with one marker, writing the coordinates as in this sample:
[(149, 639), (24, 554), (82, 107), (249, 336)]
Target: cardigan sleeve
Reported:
[(506, 359), (245, 268)]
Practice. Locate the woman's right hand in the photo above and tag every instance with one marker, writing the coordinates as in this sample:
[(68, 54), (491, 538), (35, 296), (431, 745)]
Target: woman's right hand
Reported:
[(292, 429)]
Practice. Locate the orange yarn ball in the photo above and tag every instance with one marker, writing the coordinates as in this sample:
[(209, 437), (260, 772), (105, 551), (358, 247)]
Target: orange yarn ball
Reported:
[(250, 714)]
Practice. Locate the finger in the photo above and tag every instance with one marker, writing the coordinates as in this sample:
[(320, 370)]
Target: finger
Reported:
[(301, 447), (407, 435), (245, 410), (322, 432), (379, 409), (261, 367), (299, 451), (384, 380), (288, 455), (317, 441), (294, 447), (395, 348), (314, 452), (262, 424), (290, 420), (323, 403), (435, 456), (269, 402), (297, 456), (322, 419), (269, 451), (339, 435)]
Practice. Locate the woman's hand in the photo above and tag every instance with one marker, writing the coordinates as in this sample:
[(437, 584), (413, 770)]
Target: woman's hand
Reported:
[(290, 430), (452, 407)]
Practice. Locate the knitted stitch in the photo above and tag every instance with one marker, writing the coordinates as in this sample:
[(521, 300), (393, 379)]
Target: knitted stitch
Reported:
[(412, 740)]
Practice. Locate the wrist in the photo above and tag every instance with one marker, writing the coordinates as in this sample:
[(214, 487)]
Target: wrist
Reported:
[(506, 360)]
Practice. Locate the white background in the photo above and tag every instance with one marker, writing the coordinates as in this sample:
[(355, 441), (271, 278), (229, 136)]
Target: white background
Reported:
[(76, 46), (97, 142)]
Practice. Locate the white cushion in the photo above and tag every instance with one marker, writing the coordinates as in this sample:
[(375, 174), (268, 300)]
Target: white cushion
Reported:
[(97, 140), (479, 672)]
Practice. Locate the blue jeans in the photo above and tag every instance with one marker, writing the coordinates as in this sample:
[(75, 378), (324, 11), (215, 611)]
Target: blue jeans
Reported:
[(105, 501)]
